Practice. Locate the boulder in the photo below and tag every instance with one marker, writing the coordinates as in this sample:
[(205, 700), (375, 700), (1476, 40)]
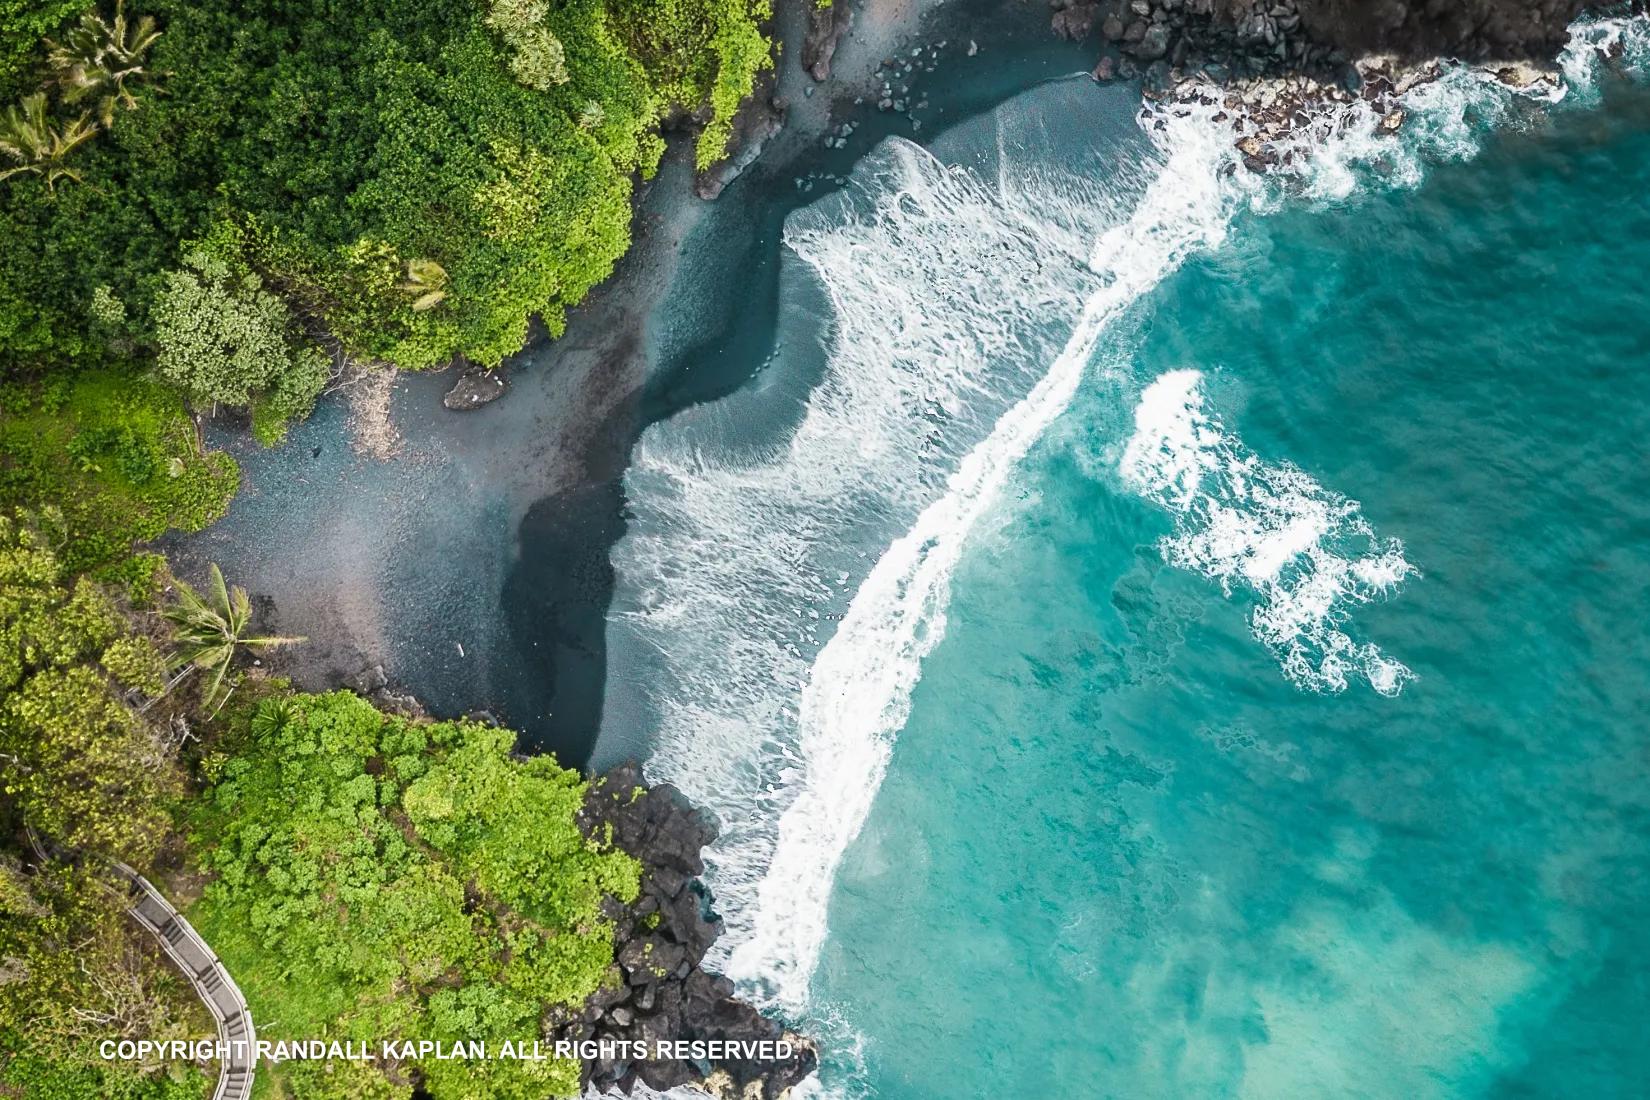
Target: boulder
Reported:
[(474, 388), (1153, 42), (827, 24), (613, 991), (684, 923), (650, 959), (658, 990), (1076, 22)]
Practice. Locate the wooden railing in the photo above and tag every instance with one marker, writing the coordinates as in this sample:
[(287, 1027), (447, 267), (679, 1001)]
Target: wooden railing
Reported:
[(216, 989)]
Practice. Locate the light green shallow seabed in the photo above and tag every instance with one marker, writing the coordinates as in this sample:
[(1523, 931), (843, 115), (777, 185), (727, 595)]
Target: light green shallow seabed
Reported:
[(1124, 850)]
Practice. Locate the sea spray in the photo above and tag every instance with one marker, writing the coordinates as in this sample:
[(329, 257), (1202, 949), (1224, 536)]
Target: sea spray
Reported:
[(731, 574), (1305, 552)]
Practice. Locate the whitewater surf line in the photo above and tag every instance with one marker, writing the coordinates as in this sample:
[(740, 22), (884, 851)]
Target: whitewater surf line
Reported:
[(859, 694), (948, 295), (1305, 552), (734, 578)]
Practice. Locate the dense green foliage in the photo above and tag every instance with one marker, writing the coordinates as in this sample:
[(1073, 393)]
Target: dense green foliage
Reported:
[(78, 761), (116, 453), (225, 338), (23, 24), (265, 178), (370, 876), (87, 765), (382, 878), (74, 970)]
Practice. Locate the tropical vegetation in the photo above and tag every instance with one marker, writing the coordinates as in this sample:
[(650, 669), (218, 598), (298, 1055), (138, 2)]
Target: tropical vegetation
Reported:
[(366, 875), (211, 631), (378, 877), (255, 191), (90, 771), (207, 209)]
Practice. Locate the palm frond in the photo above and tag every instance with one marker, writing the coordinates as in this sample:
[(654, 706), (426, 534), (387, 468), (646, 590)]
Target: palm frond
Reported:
[(273, 641), (427, 281), (210, 629), (29, 136), (98, 58)]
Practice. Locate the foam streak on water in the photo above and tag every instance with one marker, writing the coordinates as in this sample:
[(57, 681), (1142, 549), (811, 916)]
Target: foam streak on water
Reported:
[(966, 307), (859, 693), (1306, 553)]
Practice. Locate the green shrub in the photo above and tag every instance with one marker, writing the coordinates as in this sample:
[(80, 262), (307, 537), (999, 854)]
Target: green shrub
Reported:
[(380, 878), (117, 454), (225, 338)]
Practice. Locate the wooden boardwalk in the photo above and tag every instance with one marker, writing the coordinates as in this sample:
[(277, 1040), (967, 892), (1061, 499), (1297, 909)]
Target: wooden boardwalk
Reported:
[(217, 990)]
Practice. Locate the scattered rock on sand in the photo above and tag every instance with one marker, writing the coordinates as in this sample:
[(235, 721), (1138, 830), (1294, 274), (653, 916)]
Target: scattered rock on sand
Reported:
[(474, 388)]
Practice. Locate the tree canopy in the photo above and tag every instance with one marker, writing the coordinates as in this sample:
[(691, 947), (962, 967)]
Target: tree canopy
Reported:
[(77, 761), (315, 153), (383, 878)]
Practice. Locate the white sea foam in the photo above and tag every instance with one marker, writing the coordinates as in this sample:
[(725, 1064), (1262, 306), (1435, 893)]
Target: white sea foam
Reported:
[(966, 308), (858, 695), (1305, 552), (1595, 42)]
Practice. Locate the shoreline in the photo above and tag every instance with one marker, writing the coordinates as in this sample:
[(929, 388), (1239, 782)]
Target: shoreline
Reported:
[(658, 989), (580, 405), (330, 539), (817, 760), (597, 496)]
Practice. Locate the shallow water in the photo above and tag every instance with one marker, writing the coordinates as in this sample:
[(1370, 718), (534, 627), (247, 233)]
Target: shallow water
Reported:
[(1127, 847), (1147, 633)]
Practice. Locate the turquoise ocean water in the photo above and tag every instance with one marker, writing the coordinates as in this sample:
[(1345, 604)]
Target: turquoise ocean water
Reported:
[(1175, 639), (1119, 853)]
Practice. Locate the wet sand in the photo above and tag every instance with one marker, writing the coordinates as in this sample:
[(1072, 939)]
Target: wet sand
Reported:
[(473, 566)]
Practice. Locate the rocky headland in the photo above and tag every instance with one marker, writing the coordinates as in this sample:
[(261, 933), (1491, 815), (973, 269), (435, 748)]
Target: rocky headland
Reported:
[(1258, 37), (658, 988), (1278, 69)]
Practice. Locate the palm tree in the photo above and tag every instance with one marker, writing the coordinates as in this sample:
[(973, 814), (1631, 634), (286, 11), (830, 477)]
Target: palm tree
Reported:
[(97, 58), (211, 628), (427, 281), (30, 137)]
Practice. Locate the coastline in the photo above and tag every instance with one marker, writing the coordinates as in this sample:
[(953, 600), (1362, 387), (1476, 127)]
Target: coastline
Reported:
[(796, 767), (659, 988), (827, 512), (503, 516), (565, 576)]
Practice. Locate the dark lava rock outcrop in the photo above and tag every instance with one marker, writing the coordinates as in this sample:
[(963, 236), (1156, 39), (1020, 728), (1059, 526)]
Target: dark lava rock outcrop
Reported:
[(1472, 30), (658, 988), (826, 26), (474, 388), (1242, 39)]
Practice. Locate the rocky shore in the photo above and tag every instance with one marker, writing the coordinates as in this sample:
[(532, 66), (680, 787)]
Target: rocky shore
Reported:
[(658, 988), (1249, 38), (1275, 70)]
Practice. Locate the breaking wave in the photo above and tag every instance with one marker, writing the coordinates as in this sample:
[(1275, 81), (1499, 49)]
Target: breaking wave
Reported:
[(777, 595), (1306, 553), (965, 303)]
